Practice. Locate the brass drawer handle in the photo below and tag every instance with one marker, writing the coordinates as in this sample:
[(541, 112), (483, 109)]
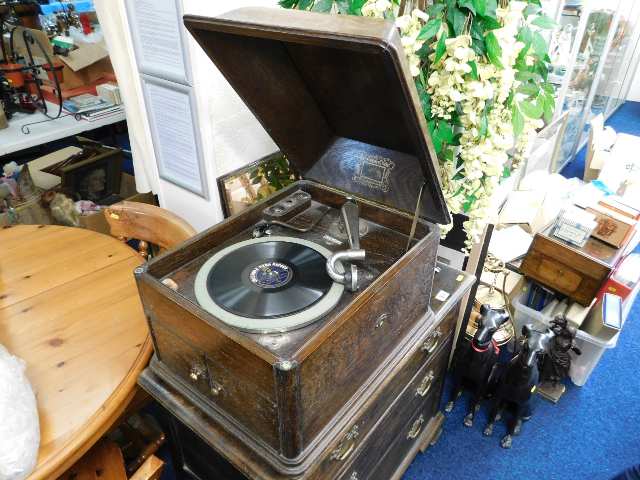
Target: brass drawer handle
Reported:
[(346, 446), (431, 343), (381, 320), (196, 372), (415, 429), (216, 388), (426, 384)]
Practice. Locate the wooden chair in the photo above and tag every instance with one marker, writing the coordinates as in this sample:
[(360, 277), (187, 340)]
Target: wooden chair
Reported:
[(148, 224), (104, 462)]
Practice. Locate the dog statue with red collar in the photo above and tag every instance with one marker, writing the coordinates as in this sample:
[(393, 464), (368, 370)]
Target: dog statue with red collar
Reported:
[(517, 381), (474, 363)]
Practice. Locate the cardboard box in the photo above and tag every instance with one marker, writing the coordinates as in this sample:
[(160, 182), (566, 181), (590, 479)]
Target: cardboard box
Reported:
[(85, 55), (83, 68), (614, 287), (613, 228), (624, 279)]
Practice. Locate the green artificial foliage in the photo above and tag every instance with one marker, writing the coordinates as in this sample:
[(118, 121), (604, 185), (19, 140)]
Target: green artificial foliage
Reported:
[(532, 97), (277, 174)]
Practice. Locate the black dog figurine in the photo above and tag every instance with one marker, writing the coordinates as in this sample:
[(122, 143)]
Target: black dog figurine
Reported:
[(475, 362), (517, 381)]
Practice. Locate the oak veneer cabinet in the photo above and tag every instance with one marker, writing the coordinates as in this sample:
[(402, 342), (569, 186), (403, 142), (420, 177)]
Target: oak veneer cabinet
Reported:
[(387, 424)]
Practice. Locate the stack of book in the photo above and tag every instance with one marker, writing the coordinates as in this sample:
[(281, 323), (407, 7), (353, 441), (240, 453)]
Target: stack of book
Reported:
[(109, 92), (91, 107)]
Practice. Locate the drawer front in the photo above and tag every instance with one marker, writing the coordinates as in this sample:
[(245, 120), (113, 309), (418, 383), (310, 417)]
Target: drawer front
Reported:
[(183, 359), (224, 381), (359, 440), (562, 277), (392, 465), (332, 374), (399, 432)]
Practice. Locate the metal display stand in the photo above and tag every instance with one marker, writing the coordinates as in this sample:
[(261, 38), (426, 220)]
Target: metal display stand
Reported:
[(31, 70)]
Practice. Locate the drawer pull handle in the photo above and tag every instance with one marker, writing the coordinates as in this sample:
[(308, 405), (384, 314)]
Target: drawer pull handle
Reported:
[(415, 429), (216, 388), (431, 343), (426, 384), (196, 373), (346, 446), (381, 320)]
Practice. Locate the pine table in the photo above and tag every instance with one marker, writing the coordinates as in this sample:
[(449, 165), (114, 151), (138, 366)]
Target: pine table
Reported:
[(70, 309)]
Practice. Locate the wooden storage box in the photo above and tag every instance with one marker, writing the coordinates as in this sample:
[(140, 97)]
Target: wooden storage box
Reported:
[(379, 435), (578, 272), (613, 228), (285, 394)]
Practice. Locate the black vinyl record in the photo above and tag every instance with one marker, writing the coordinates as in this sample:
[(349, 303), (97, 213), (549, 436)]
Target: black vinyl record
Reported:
[(269, 279)]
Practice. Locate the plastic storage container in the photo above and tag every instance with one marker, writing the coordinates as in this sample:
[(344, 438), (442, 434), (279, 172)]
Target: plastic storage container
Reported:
[(592, 347)]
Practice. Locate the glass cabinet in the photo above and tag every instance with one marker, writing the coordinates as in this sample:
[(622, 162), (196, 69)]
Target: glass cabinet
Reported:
[(621, 61), (593, 53)]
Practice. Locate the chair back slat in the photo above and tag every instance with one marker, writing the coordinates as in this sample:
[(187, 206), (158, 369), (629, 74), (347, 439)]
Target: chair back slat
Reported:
[(148, 224)]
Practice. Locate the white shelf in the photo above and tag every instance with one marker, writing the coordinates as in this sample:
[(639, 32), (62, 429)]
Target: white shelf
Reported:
[(13, 140)]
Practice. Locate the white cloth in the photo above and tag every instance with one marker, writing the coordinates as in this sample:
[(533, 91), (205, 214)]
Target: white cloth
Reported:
[(19, 424), (113, 21)]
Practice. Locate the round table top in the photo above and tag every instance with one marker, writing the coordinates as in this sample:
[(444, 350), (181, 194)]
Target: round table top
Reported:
[(69, 307)]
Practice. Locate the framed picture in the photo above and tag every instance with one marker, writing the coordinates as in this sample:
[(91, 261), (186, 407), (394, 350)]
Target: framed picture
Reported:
[(96, 177), (247, 185), (171, 109), (159, 39)]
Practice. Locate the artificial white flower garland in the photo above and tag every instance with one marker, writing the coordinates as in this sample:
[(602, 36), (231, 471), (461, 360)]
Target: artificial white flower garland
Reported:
[(483, 154)]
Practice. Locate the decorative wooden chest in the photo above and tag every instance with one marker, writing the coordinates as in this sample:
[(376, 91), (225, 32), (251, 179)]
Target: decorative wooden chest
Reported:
[(275, 325), (577, 272), (391, 420)]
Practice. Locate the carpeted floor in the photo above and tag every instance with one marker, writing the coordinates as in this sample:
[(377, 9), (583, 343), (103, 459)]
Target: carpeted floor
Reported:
[(593, 433)]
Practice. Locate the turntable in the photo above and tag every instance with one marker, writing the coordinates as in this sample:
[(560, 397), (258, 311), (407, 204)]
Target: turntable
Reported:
[(272, 284), (277, 321)]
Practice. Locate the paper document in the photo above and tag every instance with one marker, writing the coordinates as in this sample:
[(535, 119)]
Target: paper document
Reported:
[(157, 32), (177, 147), (510, 243)]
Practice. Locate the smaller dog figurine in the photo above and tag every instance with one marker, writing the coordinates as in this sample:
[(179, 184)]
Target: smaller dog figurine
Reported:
[(517, 382), (476, 361)]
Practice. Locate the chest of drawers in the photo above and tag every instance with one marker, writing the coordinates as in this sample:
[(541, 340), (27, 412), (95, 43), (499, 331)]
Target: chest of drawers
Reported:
[(375, 436)]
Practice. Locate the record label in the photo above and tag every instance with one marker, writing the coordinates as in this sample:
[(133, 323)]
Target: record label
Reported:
[(271, 275)]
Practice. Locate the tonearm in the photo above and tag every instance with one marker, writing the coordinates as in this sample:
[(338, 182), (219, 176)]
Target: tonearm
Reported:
[(348, 274)]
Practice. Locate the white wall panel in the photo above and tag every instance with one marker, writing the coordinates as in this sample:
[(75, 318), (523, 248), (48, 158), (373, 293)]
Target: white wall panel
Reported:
[(230, 135)]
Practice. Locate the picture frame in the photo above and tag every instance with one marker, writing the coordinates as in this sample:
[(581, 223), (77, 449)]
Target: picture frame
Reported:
[(237, 192), (96, 178), (172, 113), (160, 42)]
